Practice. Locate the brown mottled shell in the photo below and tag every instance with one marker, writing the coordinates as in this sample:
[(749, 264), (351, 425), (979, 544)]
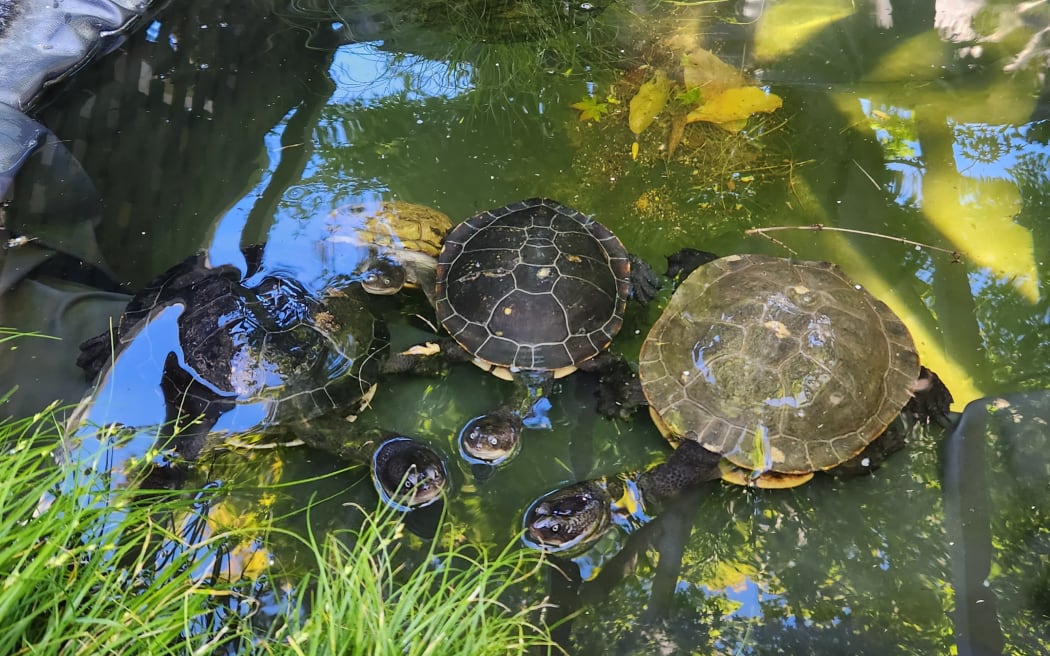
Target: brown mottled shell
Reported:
[(779, 365), (533, 285), (394, 225)]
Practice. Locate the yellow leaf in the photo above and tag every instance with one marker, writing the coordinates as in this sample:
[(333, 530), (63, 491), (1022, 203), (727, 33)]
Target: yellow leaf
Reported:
[(733, 126), (648, 102), (702, 68), (733, 106), (429, 348), (634, 150)]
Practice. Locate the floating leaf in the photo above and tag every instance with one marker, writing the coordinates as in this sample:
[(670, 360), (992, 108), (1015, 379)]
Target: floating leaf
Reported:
[(591, 109), (731, 108), (648, 102), (702, 68)]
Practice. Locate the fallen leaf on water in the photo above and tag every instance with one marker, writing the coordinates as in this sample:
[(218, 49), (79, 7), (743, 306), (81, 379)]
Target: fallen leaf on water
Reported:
[(429, 348), (702, 68), (731, 108), (591, 109), (648, 102)]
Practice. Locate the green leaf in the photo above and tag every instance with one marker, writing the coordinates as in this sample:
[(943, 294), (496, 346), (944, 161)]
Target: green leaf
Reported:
[(591, 109)]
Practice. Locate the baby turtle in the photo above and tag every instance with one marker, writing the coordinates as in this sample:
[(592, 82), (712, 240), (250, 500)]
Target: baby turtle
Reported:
[(532, 291)]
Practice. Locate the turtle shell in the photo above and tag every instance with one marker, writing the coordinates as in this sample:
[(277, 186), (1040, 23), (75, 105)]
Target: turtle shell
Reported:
[(401, 241), (533, 285), (242, 357), (391, 226), (778, 365)]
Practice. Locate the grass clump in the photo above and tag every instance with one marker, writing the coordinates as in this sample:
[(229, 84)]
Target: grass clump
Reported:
[(372, 595), (80, 571), (85, 569)]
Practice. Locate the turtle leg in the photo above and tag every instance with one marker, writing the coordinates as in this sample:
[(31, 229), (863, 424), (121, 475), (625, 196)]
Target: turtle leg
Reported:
[(619, 389), (892, 440), (96, 353), (932, 400), (645, 283), (680, 264), (689, 465)]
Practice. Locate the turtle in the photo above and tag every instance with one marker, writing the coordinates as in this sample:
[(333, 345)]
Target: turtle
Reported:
[(227, 359), (570, 519), (761, 371), (532, 291), (783, 367), (403, 242)]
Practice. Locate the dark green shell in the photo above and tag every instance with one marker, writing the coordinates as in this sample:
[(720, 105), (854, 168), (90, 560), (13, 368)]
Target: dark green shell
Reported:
[(533, 285), (776, 364), (255, 355)]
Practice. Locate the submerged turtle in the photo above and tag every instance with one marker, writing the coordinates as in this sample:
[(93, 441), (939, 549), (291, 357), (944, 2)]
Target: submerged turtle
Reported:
[(779, 368), (231, 359), (531, 291), (403, 240)]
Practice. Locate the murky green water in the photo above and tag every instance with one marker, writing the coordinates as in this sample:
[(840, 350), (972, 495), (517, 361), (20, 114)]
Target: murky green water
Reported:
[(219, 127)]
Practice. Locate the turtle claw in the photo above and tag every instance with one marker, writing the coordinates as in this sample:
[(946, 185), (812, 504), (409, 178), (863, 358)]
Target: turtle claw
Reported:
[(491, 439), (619, 391), (645, 283), (932, 400), (681, 263)]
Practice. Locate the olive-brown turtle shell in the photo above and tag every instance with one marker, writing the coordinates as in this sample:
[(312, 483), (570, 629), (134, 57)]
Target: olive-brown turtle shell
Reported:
[(779, 365)]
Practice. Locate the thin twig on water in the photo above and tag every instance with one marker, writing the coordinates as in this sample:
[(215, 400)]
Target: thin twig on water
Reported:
[(956, 255)]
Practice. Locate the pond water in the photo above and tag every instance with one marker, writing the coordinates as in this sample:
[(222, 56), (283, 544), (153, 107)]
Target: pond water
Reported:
[(241, 124)]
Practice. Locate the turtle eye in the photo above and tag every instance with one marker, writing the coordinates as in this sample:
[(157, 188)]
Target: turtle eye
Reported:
[(493, 441), (554, 528)]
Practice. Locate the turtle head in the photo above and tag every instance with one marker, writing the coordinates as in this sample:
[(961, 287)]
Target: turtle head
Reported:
[(569, 518), (491, 439), (407, 473), (383, 276)]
